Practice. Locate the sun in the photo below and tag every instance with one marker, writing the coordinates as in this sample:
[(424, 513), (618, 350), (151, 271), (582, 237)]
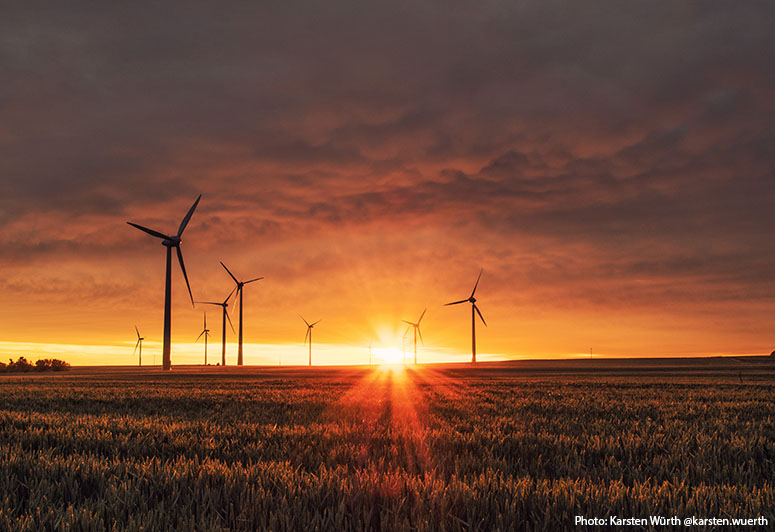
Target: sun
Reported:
[(389, 355)]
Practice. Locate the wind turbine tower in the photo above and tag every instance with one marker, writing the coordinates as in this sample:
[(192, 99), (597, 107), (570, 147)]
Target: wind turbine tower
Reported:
[(224, 305), (171, 242), (140, 345), (240, 284), (416, 332), (309, 335), (474, 311), (205, 332)]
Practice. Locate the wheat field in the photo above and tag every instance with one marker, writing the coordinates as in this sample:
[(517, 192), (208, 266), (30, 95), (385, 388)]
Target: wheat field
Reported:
[(498, 447)]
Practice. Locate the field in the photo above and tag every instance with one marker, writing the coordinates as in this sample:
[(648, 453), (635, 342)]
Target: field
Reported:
[(522, 446)]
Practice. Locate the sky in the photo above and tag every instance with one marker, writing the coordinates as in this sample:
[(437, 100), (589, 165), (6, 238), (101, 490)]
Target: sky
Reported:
[(608, 165)]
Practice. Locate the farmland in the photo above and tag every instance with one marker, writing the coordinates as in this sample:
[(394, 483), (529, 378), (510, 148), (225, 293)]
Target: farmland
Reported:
[(497, 447)]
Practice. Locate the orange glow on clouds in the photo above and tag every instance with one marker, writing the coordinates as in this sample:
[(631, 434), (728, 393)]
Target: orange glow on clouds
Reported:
[(627, 210)]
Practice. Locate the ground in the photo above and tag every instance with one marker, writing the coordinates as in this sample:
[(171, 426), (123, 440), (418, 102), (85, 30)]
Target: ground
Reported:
[(501, 446)]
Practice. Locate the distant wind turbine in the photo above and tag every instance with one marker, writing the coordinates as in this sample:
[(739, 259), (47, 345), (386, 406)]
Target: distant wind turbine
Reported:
[(309, 334), (474, 311), (140, 345), (171, 242), (205, 332), (223, 305), (416, 331), (240, 284)]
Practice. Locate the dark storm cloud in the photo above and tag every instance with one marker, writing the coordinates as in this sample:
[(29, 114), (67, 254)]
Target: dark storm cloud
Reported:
[(643, 131)]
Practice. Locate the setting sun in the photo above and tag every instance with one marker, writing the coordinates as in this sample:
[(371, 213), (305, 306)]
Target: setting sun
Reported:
[(389, 355)]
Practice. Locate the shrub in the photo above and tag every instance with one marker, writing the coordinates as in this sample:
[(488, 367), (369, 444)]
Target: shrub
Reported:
[(20, 366), (58, 365), (51, 364)]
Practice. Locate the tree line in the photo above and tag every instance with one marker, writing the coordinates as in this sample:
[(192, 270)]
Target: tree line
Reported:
[(22, 365)]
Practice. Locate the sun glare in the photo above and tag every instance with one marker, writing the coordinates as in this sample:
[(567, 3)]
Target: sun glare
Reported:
[(389, 355)]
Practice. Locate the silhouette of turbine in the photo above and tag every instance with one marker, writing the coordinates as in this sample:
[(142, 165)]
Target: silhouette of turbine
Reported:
[(140, 345), (223, 305), (171, 242), (416, 331), (240, 284), (206, 333), (474, 311), (309, 334)]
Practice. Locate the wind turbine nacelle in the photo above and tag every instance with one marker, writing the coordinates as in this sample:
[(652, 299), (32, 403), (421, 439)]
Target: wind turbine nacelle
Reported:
[(171, 242), (472, 300)]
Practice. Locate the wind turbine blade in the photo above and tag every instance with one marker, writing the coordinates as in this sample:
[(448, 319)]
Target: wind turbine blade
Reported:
[(205, 325), (313, 324), (420, 333), (407, 331), (477, 282), (229, 319), (150, 231), (200, 335), (209, 303), (256, 279), (306, 335), (480, 315), (456, 302), (305, 321), (229, 272), (421, 316), (138, 332), (137, 344), (230, 294), (185, 275), (184, 223), (409, 322)]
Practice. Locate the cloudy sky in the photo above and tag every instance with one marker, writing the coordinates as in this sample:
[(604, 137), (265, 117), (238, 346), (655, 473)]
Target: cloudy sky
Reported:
[(609, 165)]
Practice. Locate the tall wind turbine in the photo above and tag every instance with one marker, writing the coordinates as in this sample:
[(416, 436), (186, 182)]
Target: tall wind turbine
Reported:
[(223, 305), (171, 242), (474, 311), (309, 334), (416, 331), (240, 284), (140, 345), (205, 332)]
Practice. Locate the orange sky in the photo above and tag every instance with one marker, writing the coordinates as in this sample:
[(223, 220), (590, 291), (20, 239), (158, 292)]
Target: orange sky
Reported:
[(610, 168)]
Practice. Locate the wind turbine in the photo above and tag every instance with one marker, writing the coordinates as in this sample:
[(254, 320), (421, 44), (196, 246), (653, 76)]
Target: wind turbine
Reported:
[(171, 242), (140, 345), (309, 334), (416, 331), (240, 284), (474, 311), (206, 333), (223, 305)]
